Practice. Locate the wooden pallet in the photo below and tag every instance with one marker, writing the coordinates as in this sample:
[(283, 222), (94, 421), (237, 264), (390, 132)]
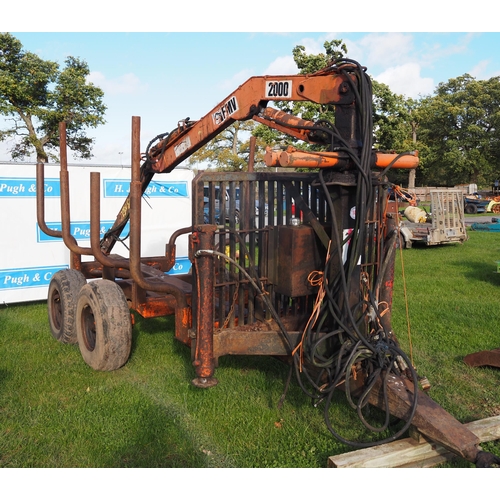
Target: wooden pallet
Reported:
[(414, 451)]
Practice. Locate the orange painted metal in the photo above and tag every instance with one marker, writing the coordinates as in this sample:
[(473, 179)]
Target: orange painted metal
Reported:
[(272, 157), (304, 159), (294, 158), (286, 123), (155, 307), (409, 161)]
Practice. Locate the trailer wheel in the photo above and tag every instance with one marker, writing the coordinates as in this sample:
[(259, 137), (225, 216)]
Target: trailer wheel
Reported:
[(62, 297), (103, 325), (470, 208)]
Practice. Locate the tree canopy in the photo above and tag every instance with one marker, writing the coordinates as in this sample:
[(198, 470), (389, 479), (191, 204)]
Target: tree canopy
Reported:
[(230, 150), (36, 95), (460, 125), (391, 117)]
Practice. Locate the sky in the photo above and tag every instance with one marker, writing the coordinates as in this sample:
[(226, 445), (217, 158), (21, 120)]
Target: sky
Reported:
[(169, 71)]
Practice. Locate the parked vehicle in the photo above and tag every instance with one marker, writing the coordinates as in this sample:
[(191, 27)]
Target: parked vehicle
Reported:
[(218, 200), (475, 205), (446, 223), (206, 211)]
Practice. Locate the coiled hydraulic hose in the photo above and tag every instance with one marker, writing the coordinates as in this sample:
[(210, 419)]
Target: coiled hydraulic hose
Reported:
[(356, 340)]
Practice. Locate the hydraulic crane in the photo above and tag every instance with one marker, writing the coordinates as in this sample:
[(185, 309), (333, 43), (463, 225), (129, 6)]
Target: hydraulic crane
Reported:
[(310, 282)]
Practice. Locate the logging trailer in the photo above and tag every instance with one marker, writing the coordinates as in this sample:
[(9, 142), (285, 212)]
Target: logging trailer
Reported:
[(314, 290)]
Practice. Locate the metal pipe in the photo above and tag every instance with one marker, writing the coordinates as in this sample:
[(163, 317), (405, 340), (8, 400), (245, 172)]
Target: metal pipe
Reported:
[(204, 361), (69, 240), (310, 159), (40, 202), (95, 222), (407, 161), (170, 247), (182, 310), (135, 225)]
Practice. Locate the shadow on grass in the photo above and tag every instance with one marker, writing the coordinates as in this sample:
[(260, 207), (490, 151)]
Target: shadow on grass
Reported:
[(160, 440), (471, 265), (481, 271), (4, 376), (262, 379)]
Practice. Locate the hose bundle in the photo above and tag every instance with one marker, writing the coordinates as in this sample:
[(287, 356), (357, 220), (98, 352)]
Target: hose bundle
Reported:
[(347, 337)]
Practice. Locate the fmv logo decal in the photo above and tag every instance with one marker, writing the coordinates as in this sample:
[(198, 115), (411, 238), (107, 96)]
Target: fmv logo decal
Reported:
[(225, 111)]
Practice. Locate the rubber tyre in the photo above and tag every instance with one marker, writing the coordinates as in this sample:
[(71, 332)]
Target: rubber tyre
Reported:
[(470, 208), (103, 325), (62, 297)]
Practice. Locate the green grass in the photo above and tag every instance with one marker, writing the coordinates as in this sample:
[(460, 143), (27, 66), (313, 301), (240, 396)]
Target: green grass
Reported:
[(57, 412), (454, 306)]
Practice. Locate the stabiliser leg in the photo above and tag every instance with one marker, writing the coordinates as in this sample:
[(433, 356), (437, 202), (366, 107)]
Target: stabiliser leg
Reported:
[(431, 420)]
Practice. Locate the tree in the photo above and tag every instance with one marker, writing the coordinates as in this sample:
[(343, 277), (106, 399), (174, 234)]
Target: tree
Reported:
[(460, 125), (391, 118), (391, 112), (395, 122), (230, 150), (36, 95)]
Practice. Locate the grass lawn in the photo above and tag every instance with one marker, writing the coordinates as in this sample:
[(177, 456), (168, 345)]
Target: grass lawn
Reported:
[(57, 412)]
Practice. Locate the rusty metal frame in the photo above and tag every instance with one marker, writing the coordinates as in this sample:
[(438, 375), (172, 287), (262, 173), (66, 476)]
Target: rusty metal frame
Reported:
[(234, 302)]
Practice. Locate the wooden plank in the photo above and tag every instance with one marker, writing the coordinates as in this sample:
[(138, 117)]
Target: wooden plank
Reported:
[(487, 429), (411, 452)]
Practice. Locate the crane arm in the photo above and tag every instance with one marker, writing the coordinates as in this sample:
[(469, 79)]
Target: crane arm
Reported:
[(331, 86), (336, 85), (249, 101)]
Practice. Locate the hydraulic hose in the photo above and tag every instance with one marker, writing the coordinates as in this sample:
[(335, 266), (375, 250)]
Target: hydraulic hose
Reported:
[(345, 337)]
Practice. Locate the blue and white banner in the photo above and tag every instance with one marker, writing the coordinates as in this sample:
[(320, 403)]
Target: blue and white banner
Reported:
[(27, 277), (121, 189), (19, 187), (29, 258), (79, 230), (182, 266)]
